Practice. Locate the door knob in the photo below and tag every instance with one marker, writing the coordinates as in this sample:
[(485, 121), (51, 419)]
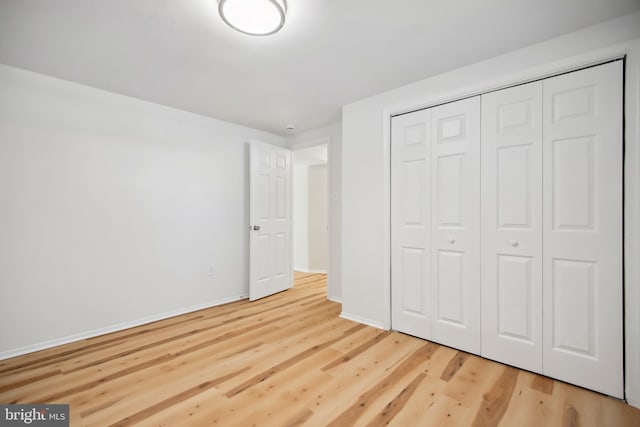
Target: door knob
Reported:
[(513, 243), (256, 228), (452, 240)]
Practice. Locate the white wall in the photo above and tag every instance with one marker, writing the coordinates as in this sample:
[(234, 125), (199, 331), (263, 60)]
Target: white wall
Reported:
[(365, 181), (318, 213), (112, 209), (331, 135), (300, 215)]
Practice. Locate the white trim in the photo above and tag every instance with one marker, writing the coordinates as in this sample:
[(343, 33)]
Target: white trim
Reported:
[(310, 271), (632, 225), (115, 328), (524, 76), (363, 320), (330, 235), (337, 300), (385, 262), (632, 179)]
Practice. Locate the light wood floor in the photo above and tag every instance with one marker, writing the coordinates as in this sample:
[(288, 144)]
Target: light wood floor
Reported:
[(289, 360)]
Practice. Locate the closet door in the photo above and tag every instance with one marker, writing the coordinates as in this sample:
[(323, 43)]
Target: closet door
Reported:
[(455, 240), (582, 265), (411, 223), (512, 226)]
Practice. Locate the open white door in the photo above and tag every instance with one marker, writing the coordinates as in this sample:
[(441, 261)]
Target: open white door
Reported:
[(270, 216)]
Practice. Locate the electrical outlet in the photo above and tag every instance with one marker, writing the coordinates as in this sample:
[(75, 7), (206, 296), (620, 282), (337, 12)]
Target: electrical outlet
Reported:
[(211, 271)]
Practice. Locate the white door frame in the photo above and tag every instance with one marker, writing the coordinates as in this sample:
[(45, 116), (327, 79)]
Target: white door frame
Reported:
[(325, 140), (631, 52)]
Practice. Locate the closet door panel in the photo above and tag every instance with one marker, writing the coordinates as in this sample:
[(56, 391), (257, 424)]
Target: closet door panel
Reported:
[(583, 339), (512, 226), (455, 244), (411, 223), (450, 302)]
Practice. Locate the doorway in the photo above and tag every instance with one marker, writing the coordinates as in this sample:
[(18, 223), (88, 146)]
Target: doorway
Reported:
[(310, 209)]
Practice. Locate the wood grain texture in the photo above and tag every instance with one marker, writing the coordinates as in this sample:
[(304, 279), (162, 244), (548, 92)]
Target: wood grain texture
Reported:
[(495, 401), (542, 384), (456, 363), (394, 407), (290, 360)]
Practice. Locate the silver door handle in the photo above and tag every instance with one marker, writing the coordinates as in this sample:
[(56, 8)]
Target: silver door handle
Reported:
[(256, 228)]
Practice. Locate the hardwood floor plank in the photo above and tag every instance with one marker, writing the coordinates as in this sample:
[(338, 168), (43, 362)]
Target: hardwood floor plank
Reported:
[(208, 361), (473, 380), (495, 401), (72, 351), (287, 346), (358, 350), (531, 408), (290, 360), (418, 357), (389, 353), (571, 417), (184, 395), (203, 409), (454, 365), (543, 384), (262, 376), (419, 409), (8, 384), (144, 365), (439, 362), (394, 407), (299, 419), (289, 392), (193, 370), (127, 395), (350, 379)]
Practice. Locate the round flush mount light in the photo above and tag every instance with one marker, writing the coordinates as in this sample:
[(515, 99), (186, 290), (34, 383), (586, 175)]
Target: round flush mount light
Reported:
[(253, 17)]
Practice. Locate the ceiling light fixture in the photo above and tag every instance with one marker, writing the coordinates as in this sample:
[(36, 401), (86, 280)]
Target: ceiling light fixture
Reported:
[(253, 17)]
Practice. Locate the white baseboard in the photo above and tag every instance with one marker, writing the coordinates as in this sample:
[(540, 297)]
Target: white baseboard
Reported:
[(114, 328), (338, 300), (307, 270), (359, 319)]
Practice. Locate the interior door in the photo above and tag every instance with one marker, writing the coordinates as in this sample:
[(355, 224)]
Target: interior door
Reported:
[(582, 238), (411, 223), (512, 226), (455, 239), (270, 220)]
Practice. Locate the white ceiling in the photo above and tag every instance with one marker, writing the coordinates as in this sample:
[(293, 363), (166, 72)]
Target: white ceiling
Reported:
[(330, 52)]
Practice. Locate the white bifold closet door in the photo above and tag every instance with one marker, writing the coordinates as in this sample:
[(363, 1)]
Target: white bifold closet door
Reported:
[(455, 217), (435, 220), (411, 223), (582, 231), (507, 234), (512, 226)]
